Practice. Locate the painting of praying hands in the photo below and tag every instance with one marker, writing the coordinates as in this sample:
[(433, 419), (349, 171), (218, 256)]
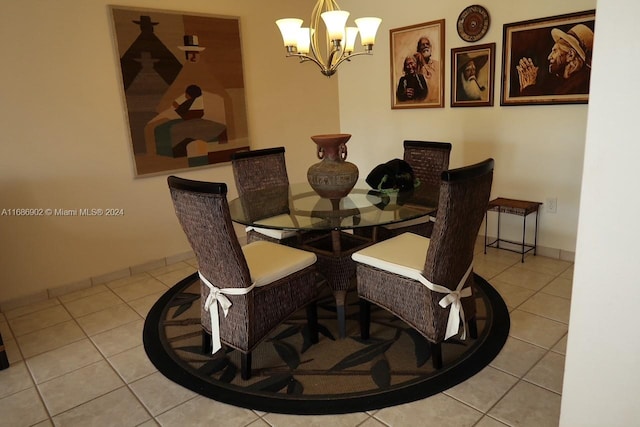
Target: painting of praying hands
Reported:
[(417, 66), (548, 60), (183, 85)]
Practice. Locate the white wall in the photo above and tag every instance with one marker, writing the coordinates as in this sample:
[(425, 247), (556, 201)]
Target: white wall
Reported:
[(602, 374), (538, 149), (65, 141), (65, 145)]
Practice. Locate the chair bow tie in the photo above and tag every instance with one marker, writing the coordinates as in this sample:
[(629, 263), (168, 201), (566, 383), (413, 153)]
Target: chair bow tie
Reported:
[(217, 296), (453, 299)]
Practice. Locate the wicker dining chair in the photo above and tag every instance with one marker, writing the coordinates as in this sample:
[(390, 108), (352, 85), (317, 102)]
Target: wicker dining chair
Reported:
[(427, 160), (259, 170), (258, 285), (428, 283)]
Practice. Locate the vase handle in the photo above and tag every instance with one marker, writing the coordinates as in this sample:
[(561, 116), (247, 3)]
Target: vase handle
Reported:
[(320, 152), (342, 151)]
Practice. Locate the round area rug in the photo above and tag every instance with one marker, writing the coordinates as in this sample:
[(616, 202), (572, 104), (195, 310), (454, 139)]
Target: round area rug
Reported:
[(292, 376)]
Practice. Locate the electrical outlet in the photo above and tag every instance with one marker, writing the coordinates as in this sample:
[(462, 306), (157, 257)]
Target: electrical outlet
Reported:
[(551, 204)]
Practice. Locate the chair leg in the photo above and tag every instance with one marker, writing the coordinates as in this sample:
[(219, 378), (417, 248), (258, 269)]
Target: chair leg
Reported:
[(436, 355), (312, 321), (245, 365), (473, 328), (365, 318), (4, 361), (206, 342)]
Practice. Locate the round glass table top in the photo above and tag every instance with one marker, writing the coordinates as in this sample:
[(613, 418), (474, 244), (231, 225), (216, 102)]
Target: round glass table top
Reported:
[(299, 207)]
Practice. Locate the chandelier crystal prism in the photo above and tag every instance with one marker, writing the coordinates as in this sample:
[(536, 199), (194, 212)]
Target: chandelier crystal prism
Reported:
[(303, 42)]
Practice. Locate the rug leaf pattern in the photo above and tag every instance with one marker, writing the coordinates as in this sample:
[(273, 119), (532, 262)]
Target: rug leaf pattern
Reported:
[(381, 373), (362, 356), (287, 363), (422, 348), (288, 353)]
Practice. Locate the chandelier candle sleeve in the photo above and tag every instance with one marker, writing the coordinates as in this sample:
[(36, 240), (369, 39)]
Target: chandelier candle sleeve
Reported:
[(302, 42), (335, 22), (350, 39), (289, 29), (368, 28)]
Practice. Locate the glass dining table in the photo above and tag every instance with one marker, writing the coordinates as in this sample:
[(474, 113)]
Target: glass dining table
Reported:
[(332, 229)]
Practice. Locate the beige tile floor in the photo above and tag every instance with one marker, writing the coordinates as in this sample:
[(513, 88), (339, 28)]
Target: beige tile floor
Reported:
[(78, 360)]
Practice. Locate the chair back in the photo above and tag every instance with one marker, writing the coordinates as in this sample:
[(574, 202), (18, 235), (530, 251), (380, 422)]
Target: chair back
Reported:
[(259, 169), (203, 212), (428, 160), (464, 196), (262, 181)]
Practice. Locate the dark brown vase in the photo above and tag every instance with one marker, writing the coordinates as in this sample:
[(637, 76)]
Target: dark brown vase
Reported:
[(332, 177)]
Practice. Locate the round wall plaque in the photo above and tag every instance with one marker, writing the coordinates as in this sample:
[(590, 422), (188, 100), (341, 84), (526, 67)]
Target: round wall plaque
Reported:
[(473, 23)]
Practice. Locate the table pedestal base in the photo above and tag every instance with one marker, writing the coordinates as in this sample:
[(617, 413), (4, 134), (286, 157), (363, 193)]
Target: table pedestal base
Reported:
[(334, 252)]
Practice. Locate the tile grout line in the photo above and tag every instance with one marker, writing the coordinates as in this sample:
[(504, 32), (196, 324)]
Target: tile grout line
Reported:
[(87, 337), (260, 417), (522, 377), (32, 374), (106, 360), (125, 382)]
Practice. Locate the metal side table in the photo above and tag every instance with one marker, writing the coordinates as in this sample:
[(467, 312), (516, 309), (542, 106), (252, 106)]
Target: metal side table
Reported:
[(515, 207)]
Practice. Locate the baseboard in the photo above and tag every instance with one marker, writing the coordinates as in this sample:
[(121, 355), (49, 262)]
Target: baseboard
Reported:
[(162, 262), (93, 281), (544, 251)]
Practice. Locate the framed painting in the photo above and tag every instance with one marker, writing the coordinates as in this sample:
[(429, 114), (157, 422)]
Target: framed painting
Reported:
[(183, 86), (473, 75), (417, 66), (548, 60)]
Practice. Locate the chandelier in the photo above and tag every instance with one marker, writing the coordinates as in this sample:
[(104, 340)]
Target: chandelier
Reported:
[(302, 42)]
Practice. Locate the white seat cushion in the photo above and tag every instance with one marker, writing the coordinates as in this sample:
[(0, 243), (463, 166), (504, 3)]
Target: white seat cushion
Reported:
[(273, 233), (278, 220), (270, 261), (404, 255)]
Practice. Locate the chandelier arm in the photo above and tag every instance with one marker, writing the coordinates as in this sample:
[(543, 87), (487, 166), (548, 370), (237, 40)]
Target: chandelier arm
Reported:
[(334, 49), (305, 58), (317, 58), (313, 25), (348, 57)]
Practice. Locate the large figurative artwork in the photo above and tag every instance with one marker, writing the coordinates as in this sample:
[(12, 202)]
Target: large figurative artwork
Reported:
[(184, 88), (417, 65), (548, 60)]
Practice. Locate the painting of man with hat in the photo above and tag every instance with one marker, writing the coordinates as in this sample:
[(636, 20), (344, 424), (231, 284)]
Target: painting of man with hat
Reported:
[(183, 86), (472, 75), (569, 61), (191, 48), (549, 60)]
